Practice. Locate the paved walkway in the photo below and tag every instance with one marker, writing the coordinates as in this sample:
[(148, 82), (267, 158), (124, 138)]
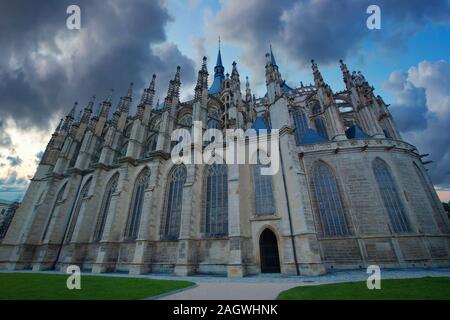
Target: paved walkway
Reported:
[(268, 286)]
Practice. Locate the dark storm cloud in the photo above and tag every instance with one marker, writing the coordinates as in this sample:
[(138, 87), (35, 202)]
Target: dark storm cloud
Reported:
[(325, 30), (44, 67)]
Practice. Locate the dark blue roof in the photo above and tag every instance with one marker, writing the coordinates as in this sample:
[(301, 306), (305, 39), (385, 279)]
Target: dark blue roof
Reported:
[(259, 124), (219, 60), (311, 137), (217, 84), (355, 132), (218, 76), (286, 88), (272, 57)]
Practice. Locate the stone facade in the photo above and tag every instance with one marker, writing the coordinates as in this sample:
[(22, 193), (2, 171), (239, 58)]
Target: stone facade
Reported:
[(102, 196)]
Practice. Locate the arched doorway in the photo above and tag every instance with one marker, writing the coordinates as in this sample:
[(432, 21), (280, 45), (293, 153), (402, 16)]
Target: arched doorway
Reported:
[(268, 252)]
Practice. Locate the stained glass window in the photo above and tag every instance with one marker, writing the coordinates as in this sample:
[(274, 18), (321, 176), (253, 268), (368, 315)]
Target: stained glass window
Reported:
[(329, 203)]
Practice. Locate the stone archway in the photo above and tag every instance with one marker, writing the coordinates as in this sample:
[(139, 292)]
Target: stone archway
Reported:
[(268, 252)]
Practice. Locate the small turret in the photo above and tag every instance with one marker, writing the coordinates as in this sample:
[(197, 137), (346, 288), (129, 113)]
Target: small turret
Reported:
[(248, 91), (69, 118), (106, 105), (88, 111), (125, 107), (235, 73), (177, 84)]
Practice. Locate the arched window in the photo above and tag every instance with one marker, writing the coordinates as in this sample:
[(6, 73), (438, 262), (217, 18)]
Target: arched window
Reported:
[(74, 158), (264, 204), (316, 108), (216, 201), (329, 203), (301, 125), (123, 150), (213, 124), (152, 142), (390, 197), (109, 191), (173, 202), (320, 127), (185, 121), (58, 201), (83, 194), (137, 201)]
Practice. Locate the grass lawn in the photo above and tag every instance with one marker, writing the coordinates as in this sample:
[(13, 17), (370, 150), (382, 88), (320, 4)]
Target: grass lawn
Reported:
[(26, 286), (398, 289)]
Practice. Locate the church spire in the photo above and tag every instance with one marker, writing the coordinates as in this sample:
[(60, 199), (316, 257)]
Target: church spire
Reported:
[(272, 57), (219, 76)]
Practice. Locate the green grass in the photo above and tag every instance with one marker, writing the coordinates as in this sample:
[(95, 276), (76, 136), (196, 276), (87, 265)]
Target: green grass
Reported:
[(399, 289), (28, 286)]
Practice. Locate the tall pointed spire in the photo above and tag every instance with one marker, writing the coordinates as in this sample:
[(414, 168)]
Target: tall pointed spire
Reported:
[(177, 83), (69, 118), (346, 73), (272, 57), (318, 79), (147, 96), (248, 91), (202, 79), (219, 71), (59, 127), (219, 57)]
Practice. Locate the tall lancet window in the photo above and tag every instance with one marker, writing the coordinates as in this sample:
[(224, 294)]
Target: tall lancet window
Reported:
[(58, 201), (264, 204), (152, 141), (321, 127), (173, 202), (83, 194), (331, 210), (137, 202), (301, 125), (215, 223), (101, 220), (391, 198)]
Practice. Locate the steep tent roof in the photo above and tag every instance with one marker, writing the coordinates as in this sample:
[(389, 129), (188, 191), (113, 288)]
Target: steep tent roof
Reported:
[(259, 124), (355, 132), (218, 75), (312, 136)]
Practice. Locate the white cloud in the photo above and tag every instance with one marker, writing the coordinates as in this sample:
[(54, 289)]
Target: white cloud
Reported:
[(422, 110)]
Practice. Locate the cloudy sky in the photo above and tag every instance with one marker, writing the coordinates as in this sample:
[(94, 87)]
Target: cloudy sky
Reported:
[(44, 67)]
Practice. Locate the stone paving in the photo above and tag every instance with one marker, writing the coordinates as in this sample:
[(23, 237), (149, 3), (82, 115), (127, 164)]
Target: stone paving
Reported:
[(268, 286)]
